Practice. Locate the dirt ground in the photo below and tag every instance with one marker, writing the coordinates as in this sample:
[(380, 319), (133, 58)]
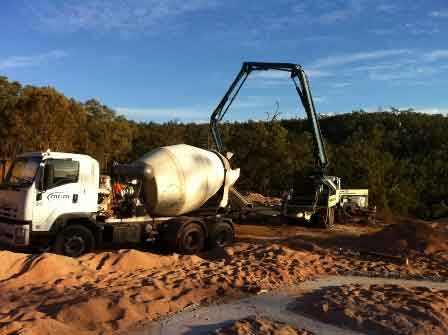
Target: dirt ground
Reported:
[(260, 326), (259, 199), (381, 309), (121, 290)]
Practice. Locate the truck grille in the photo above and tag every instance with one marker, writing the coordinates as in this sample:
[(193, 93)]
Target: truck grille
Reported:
[(8, 212)]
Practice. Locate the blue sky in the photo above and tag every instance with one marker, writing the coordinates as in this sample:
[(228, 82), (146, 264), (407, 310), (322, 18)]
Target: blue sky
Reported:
[(158, 60)]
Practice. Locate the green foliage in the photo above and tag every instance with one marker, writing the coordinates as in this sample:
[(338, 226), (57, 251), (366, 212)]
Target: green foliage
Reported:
[(401, 156), (109, 137)]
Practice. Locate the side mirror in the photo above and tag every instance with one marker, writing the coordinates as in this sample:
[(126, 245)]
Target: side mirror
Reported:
[(48, 176), (40, 183), (45, 180)]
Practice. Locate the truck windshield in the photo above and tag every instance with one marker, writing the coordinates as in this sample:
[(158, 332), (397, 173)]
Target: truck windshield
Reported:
[(23, 171)]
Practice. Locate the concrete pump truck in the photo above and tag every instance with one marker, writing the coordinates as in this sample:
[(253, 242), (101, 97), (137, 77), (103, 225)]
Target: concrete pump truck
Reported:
[(318, 198)]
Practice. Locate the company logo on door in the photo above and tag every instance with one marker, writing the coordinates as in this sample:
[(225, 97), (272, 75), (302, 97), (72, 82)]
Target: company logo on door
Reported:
[(58, 196)]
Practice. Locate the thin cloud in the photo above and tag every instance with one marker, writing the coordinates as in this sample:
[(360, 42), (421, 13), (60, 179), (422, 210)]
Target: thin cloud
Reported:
[(377, 65), (436, 55), (397, 66), (150, 113), (345, 59), (421, 64), (387, 8), (337, 13), (342, 85), (422, 28), (387, 76), (320, 99), (408, 73), (314, 73), (268, 79), (323, 13), (436, 110), (439, 13), (123, 16), (418, 28), (335, 16), (253, 101), (272, 78), (27, 61), (271, 75)]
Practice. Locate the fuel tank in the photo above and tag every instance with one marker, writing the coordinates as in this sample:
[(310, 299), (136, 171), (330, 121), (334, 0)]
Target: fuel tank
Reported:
[(180, 178)]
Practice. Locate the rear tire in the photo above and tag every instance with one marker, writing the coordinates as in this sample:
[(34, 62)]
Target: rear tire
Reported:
[(74, 240), (190, 239), (221, 235)]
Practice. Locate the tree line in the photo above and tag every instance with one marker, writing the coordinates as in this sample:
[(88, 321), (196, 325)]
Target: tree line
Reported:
[(401, 156)]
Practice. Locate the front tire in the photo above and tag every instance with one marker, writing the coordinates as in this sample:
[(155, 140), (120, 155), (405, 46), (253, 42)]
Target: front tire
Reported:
[(74, 240)]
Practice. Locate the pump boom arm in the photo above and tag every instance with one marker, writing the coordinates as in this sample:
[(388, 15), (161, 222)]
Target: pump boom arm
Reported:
[(301, 85)]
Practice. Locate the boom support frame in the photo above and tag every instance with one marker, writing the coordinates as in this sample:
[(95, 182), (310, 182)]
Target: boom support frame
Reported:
[(301, 84)]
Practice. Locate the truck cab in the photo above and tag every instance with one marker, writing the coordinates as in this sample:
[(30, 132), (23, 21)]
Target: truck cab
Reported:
[(41, 191)]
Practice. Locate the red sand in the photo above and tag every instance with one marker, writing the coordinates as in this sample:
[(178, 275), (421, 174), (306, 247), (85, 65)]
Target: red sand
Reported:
[(113, 291), (381, 309), (117, 291), (260, 326), (407, 237), (259, 199)]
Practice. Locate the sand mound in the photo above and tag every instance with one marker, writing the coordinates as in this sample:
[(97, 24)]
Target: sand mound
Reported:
[(440, 225), (299, 244), (19, 269), (381, 309), (23, 268), (260, 326), (35, 326), (259, 199), (11, 263), (101, 313), (118, 291), (406, 237), (127, 260)]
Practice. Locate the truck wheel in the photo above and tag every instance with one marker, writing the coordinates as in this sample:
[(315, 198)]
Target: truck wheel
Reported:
[(190, 239), (74, 241), (323, 218), (221, 235)]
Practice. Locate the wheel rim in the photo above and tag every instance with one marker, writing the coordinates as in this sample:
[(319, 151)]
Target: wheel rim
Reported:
[(74, 245)]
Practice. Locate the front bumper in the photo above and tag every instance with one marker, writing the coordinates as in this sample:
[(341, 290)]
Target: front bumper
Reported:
[(17, 235)]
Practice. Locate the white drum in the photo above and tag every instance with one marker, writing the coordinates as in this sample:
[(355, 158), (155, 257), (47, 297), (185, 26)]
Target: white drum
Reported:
[(183, 178)]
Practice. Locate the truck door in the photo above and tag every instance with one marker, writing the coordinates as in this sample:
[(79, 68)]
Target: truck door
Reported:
[(60, 192)]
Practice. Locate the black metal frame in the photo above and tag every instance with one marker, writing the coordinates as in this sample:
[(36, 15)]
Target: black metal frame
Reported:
[(301, 84)]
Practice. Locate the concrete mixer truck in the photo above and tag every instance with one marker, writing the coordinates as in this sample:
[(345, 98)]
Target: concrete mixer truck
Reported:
[(175, 195)]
